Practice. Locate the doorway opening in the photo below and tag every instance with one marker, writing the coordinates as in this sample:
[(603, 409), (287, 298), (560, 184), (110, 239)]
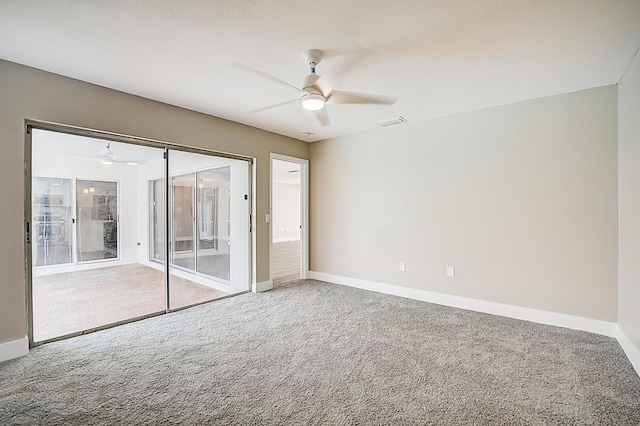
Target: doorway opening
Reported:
[(289, 258), (97, 217)]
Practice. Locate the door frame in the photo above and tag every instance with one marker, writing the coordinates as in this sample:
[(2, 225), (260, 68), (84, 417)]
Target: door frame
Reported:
[(304, 212)]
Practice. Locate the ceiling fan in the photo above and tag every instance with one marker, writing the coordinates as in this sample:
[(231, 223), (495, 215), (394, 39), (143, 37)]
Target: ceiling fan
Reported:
[(107, 157), (318, 91)]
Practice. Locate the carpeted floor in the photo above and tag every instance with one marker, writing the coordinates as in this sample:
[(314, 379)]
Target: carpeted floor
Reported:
[(71, 302), (311, 353)]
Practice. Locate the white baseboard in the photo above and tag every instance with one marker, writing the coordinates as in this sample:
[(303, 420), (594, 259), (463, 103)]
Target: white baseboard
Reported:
[(632, 352), (262, 286), (14, 349), (286, 239), (517, 312)]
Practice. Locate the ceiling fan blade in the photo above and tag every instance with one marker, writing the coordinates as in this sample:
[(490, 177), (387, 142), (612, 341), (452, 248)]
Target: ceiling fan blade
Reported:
[(323, 117), (332, 77), (341, 97), (266, 76), (273, 106)]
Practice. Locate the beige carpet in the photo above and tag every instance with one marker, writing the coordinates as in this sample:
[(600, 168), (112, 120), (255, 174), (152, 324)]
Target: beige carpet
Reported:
[(72, 302), (312, 353), (285, 260)]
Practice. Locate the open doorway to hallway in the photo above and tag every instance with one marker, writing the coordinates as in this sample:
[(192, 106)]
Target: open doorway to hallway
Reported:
[(288, 219)]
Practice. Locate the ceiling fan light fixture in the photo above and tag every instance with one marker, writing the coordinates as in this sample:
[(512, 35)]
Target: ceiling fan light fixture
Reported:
[(313, 101)]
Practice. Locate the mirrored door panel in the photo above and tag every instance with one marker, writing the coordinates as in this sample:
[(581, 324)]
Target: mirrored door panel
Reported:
[(90, 264), (124, 231)]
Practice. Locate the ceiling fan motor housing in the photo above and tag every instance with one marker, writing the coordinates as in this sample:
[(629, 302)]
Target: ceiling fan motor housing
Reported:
[(313, 99), (312, 56)]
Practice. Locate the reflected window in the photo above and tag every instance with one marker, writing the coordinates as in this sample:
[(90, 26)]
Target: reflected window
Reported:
[(52, 209), (200, 221)]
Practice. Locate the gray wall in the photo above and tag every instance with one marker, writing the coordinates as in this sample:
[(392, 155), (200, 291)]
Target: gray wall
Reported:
[(520, 199), (629, 203), (30, 93)]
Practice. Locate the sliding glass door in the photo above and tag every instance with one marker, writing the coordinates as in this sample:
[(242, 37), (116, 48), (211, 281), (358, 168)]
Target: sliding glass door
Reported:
[(209, 225), (202, 222), (157, 207), (52, 209), (183, 221), (213, 222), (97, 220)]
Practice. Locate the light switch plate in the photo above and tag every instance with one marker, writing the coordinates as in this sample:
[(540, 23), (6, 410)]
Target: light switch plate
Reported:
[(451, 271)]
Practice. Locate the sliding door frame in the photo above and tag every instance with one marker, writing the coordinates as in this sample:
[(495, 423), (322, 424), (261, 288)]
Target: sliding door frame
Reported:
[(115, 137)]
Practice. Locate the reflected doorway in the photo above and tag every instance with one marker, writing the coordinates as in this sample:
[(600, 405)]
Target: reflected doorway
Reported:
[(288, 219)]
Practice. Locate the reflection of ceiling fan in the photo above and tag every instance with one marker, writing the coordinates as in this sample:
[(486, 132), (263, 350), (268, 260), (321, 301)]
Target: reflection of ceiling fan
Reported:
[(318, 90), (107, 158), (106, 155)]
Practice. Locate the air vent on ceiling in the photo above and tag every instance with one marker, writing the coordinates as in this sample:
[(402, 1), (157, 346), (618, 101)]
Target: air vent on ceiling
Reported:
[(391, 122)]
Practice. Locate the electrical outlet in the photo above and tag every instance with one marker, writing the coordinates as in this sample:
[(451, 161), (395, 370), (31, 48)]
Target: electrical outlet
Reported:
[(451, 272), (401, 266), (267, 218)]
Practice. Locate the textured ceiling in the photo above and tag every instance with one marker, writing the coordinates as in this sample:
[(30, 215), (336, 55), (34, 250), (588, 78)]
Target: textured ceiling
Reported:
[(438, 57)]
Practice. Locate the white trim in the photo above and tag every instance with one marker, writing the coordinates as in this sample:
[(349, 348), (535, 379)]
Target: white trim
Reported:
[(262, 286), (14, 349), (632, 352), (534, 315)]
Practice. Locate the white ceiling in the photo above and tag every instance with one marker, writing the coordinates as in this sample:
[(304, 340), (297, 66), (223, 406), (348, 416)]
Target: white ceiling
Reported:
[(285, 172), (438, 57), (52, 145)]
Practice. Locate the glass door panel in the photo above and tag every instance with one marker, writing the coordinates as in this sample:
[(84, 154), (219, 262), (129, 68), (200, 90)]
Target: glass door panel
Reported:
[(52, 211), (212, 220), (209, 227), (97, 217), (157, 209), (183, 214)]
